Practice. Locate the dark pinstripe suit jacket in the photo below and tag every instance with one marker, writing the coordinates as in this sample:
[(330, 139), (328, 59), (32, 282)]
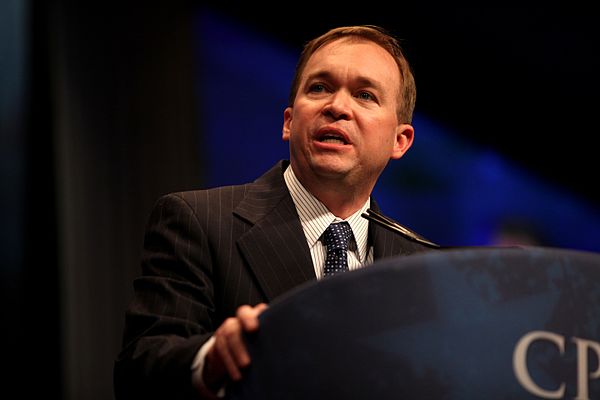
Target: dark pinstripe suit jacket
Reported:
[(206, 252)]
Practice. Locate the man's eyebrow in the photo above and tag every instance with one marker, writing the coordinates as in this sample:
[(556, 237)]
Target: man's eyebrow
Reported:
[(320, 75), (362, 80)]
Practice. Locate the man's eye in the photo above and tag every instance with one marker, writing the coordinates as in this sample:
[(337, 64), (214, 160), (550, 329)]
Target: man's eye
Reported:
[(366, 96), (317, 87)]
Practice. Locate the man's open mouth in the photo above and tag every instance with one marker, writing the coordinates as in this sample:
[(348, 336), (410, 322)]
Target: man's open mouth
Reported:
[(335, 139)]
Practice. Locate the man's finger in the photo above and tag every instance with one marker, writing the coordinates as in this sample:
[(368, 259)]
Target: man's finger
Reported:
[(248, 316), (230, 348)]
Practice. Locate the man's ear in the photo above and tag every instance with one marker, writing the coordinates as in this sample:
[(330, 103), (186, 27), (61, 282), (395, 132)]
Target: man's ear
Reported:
[(287, 121), (405, 134)]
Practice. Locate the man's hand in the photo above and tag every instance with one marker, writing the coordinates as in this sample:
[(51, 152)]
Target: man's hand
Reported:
[(228, 356)]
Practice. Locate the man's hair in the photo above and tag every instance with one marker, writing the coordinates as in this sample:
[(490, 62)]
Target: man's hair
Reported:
[(378, 35)]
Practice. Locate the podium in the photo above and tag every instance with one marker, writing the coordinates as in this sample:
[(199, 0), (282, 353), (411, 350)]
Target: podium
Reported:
[(474, 323)]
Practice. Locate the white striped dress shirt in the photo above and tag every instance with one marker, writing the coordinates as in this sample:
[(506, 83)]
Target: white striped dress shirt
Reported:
[(315, 218)]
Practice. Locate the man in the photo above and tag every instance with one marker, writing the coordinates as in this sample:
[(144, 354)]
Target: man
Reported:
[(213, 259)]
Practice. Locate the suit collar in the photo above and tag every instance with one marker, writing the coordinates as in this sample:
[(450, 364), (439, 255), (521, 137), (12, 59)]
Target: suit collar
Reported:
[(275, 246), (263, 195)]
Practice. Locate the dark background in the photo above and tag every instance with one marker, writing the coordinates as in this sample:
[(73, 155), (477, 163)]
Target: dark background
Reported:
[(521, 80), (101, 113)]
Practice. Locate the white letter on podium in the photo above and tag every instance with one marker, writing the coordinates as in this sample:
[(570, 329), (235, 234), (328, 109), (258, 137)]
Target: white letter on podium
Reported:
[(582, 366), (520, 363)]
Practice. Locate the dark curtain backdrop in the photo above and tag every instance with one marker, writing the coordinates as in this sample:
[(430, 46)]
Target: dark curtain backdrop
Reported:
[(109, 125)]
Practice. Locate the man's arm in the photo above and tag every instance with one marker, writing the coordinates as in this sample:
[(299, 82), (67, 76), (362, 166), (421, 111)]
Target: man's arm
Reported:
[(172, 312), (225, 353)]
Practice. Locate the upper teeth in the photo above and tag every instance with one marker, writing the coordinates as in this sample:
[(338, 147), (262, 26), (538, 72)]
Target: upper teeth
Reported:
[(332, 139)]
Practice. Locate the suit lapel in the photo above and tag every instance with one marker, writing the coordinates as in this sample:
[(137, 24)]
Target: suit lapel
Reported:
[(275, 246), (385, 242)]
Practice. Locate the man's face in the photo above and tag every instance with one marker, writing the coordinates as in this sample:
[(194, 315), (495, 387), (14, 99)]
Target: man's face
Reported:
[(343, 125)]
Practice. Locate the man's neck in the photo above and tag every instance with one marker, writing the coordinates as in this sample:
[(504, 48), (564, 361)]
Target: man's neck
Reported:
[(340, 198)]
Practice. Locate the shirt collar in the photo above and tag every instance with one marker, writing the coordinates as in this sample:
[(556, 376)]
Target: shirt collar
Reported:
[(315, 217)]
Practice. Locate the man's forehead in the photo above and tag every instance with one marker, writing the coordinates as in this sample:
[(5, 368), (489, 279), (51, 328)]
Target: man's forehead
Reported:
[(361, 59)]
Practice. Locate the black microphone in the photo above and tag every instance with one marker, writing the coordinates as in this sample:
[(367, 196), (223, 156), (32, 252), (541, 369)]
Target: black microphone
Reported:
[(392, 225)]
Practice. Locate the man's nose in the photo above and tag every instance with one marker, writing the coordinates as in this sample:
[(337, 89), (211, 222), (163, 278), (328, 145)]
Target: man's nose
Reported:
[(339, 106)]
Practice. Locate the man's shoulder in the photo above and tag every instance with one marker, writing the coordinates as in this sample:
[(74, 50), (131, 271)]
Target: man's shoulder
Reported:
[(230, 194), (207, 195)]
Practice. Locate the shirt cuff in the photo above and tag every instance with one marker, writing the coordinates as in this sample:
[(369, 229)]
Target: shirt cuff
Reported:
[(197, 371)]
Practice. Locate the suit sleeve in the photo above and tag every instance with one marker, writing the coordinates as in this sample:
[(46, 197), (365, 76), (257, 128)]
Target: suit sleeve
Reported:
[(172, 311)]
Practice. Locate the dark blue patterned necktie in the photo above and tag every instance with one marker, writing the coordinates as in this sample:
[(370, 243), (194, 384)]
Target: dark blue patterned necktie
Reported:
[(336, 237)]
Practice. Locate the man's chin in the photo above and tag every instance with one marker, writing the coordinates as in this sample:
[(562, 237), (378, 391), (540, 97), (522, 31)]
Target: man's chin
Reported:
[(333, 170)]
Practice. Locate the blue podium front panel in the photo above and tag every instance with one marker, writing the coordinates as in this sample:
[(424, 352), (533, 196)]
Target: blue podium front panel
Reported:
[(476, 323)]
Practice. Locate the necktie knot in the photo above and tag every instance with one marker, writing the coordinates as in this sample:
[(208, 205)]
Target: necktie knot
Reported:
[(337, 237)]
